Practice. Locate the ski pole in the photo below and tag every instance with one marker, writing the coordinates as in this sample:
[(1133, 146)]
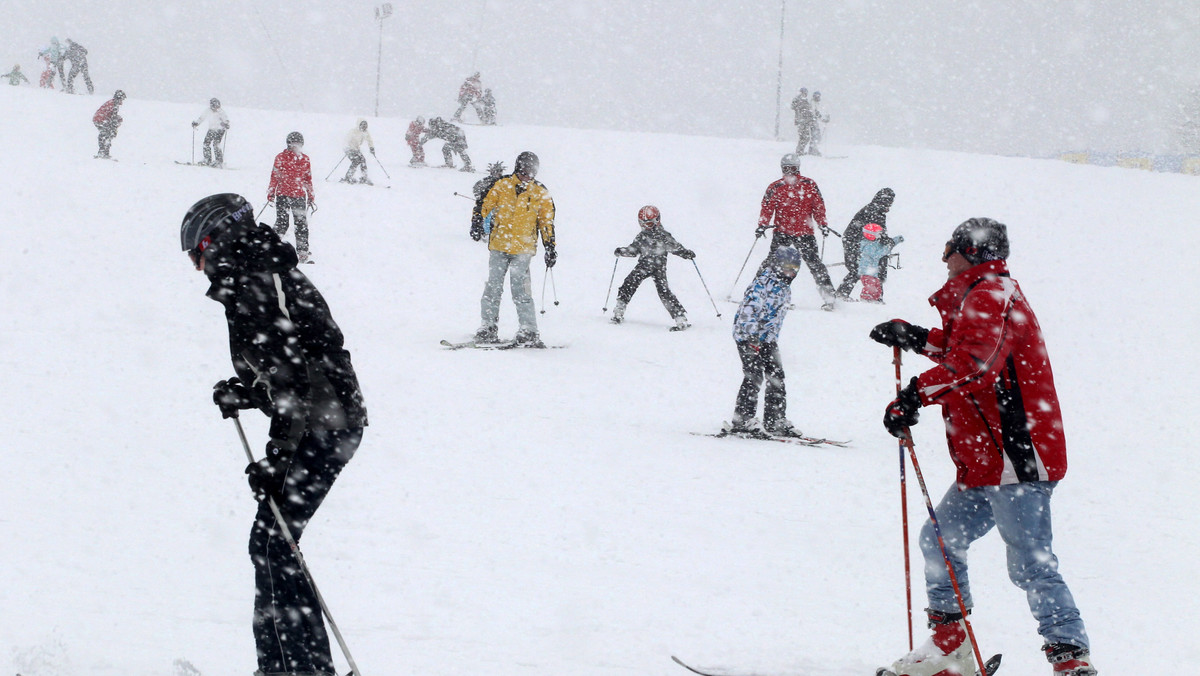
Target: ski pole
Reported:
[(553, 286), (710, 298), (459, 194), (193, 144), (335, 167), (904, 513), (381, 167), (739, 274), (616, 259), (937, 530), (224, 140), (287, 536), (544, 278), (260, 212)]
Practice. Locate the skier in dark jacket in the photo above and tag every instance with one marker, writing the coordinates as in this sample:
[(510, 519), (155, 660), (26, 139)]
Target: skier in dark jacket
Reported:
[(77, 55), (456, 142), (852, 236), (290, 364), (480, 224), (651, 247)]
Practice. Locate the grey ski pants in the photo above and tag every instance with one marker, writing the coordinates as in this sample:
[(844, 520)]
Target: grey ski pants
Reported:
[(517, 268)]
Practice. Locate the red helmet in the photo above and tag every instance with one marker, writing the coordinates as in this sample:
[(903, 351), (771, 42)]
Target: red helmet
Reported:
[(648, 216), (872, 231)]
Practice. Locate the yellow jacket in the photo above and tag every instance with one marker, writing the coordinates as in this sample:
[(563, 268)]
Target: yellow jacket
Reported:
[(519, 210)]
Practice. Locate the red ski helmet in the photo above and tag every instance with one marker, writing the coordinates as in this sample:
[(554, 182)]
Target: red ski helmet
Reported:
[(872, 231), (649, 216)]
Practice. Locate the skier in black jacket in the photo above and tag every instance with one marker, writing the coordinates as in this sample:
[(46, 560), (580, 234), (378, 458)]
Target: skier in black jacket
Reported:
[(290, 363), (482, 186), (874, 212), (651, 247)]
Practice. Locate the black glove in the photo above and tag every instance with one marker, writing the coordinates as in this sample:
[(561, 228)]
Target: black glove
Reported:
[(551, 257), (760, 231), (267, 476), (476, 229), (824, 230), (901, 334), (195, 124), (372, 151), (231, 396), (903, 412), (687, 254)]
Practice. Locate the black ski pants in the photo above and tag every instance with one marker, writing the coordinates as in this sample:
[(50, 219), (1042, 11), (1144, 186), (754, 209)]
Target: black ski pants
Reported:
[(656, 267), (212, 146), (807, 246), (108, 132), (850, 254), (357, 160), (459, 147), (289, 630), (756, 363), (295, 206), (79, 68)]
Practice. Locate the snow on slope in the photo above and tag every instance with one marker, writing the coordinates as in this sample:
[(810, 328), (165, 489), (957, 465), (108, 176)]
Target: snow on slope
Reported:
[(547, 512)]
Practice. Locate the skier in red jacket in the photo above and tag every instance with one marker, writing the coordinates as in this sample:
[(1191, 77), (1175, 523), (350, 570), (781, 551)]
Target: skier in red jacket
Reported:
[(794, 202), (291, 190), (1005, 433), (107, 119)]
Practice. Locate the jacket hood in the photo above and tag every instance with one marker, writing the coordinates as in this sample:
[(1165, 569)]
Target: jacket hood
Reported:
[(883, 199)]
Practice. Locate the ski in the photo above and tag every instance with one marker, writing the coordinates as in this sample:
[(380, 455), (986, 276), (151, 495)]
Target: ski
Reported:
[(502, 345), (989, 667), (725, 672), (103, 157), (199, 164), (763, 436)]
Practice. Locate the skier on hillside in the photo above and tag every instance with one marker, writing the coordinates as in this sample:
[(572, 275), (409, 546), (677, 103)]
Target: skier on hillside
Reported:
[(651, 247), (15, 76), (290, 363), (291, 189), (803, 120), (55, 55), (107, 120), (468, 93), (816, 129), (756, 329), (46, 81), (873, 260), (218, 123), (413, 137), (794, 202), (455, 142), (354, 141), (521, 209), (486, 108), (1005, 435), (480, 224), (77, 55), (874, 212)]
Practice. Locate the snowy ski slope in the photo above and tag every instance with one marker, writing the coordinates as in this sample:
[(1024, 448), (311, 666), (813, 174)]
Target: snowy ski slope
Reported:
[(548, 512)]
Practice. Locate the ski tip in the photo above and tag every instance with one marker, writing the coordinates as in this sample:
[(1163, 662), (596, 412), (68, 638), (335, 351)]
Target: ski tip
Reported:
[(992, 664)]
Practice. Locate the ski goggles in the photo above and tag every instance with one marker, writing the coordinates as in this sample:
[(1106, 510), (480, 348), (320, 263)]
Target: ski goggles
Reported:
[(197, 253)]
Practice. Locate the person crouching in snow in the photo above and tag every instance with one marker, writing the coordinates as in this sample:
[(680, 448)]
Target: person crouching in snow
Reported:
[(354, 141), (873, 253), (651, 247), (756, 332)]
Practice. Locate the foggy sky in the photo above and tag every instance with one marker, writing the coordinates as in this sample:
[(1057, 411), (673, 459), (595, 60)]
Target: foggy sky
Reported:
[(1010, 77)]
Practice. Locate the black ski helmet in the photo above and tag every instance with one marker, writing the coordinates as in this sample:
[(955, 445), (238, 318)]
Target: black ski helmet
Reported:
[(212, 214), (295, 137), (527, 165), (786, 257), (979, 240), (119, 95)]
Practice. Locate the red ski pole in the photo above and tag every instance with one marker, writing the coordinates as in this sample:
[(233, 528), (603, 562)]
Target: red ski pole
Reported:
[(904, 514)]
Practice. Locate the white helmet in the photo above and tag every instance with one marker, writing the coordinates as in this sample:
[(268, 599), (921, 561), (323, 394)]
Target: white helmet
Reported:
[(791, 160)]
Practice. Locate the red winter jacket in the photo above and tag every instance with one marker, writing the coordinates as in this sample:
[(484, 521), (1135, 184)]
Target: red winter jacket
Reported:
[(291, 176), (793, 206), (994, 382), (106, 115)]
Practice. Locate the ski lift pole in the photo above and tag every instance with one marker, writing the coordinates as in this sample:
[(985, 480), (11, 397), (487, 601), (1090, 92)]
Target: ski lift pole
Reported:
[(291, 541), (710, 297)]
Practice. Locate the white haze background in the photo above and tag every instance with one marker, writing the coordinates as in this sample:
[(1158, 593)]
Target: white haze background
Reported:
[(1017, 77)]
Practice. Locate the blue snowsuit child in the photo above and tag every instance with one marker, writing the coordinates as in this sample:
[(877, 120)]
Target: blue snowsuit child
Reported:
[(756, 329), (872, 260)]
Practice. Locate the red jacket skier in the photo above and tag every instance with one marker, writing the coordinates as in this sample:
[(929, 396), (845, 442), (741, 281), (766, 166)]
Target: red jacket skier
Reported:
[(412, 137), (291, 189), (794, 202), (107, 119)]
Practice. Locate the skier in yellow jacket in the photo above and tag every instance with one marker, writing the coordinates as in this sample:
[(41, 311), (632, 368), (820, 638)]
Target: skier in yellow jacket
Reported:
[(516, 210)]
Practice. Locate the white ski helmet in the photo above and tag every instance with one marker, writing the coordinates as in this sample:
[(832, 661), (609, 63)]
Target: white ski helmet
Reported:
[(792, 161)]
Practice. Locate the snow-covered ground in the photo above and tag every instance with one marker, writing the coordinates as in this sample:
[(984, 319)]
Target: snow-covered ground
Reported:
[(548, 512)]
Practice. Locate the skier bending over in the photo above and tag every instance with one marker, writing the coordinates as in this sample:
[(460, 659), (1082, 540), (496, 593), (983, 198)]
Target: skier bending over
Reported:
[(651, 247), (794, 202), (1005, 435), (354, 141), (107, 120), (874, 212), (15, 76), (290, 363), (468, 93), (456, 142), (218, 124), (77, 55), (756, 331)]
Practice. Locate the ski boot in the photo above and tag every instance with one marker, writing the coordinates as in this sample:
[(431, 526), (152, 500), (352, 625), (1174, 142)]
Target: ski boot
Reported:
[(681, 323), (1069, 660), (618, 313), (782, 428), (487, 334), (528, 338), (946, 653), (743, 426)]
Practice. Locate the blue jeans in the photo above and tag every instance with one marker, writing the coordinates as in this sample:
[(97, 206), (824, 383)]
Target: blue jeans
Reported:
[(1021, 513)]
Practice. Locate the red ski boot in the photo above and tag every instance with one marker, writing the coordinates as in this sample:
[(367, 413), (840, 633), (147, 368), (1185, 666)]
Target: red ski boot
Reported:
[(1069, 660), (946, 653)]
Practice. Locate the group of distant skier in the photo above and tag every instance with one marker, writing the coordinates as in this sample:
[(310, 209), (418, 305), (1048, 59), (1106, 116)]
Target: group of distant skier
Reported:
[(55, 56), (810, 122)]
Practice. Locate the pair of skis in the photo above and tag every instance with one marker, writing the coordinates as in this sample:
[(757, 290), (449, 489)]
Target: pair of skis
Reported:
[(785, 439), (989, 669), (502, 345)]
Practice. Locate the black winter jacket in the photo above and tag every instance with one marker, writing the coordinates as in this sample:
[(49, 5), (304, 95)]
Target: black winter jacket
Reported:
[(283, 341), (874, 212)]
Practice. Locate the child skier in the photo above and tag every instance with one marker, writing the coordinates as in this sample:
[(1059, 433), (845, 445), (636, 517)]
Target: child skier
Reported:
[(651, 247), (416, 129), (873, 252), (756, 332)]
